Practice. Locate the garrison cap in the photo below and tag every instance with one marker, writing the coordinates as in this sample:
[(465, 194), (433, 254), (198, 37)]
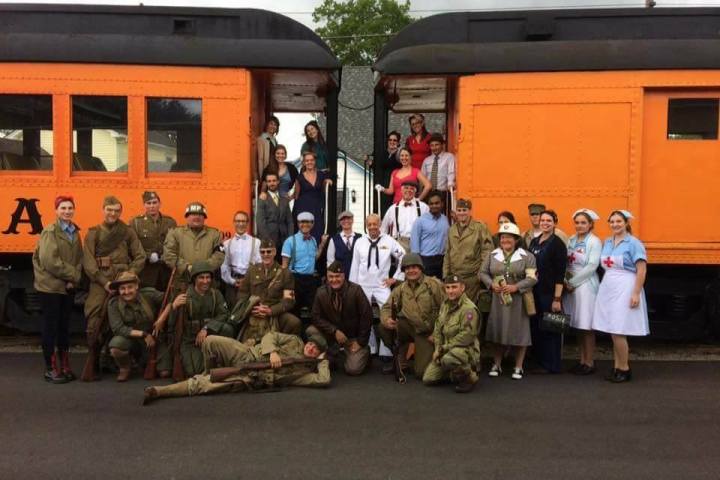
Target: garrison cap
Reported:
[(195, 208), (411, 259), (201, 266), (335, 267), (536, 208), (319, 341), (150, 195), (306, 217), (410, 183), (267, 243), (452, 278), (345, 214), (464, 203), (123, 278), (111, 200)]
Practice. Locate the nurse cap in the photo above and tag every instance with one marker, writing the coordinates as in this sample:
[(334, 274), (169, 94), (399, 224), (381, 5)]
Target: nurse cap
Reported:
[(590, 213), (625, 213)]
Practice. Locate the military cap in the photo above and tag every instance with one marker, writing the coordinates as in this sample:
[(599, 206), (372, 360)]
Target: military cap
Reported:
[(410, 183), (267, 243), (123, 278), (345, 214), (452, 278), (411, 259), (335, 267), (536, 208), (436, 137), (201, 266), (111, 200), (306, 217), (464, 203), (509, 229), (195, 208), (150, 195), (319, 341)]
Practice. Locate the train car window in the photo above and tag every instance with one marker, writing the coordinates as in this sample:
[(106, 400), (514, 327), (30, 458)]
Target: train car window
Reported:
[(26, 132), (174, 136), (100, 135), (693, 118)]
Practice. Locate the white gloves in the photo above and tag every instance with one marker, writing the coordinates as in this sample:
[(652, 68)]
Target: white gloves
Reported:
[(379, 188), (154, 257)]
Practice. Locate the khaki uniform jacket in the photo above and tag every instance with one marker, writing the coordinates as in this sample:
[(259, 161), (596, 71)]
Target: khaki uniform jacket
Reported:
[(457, 326), (465, 253), (183, 246), (420, 305), (268, 286), (152, 233), (203, 311), (354, 319), (128, 255), (57, 260), (290, 346), (127, 316)]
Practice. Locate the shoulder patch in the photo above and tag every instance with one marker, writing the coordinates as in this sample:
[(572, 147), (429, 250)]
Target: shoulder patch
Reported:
[(469, 318), (219, 248)]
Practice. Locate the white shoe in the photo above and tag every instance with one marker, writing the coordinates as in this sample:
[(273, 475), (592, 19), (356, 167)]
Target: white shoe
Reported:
[(495, 371), (517, 374)]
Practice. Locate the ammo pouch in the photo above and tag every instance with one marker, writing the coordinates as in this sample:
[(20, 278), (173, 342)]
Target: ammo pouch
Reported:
[(103, 262)]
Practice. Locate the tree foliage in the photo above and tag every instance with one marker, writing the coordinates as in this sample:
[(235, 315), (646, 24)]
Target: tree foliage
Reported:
[(356, 30)]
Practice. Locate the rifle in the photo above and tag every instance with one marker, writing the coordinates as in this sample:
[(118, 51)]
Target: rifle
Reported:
[(397, 361), (151, 367), (91, 369), (178, 372), (219, 375)]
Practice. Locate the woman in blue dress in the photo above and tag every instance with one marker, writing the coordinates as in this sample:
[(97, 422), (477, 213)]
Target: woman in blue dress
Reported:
[(310, 194), (620, 307), (581, 286)]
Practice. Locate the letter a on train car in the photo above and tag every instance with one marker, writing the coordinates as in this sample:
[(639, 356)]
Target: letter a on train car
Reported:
[(33, 217)]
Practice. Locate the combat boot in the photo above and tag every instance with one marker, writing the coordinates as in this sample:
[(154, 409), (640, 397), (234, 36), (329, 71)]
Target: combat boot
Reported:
[(466, 382), (53, 373), (180, 389), (122, 359), (66, 370)]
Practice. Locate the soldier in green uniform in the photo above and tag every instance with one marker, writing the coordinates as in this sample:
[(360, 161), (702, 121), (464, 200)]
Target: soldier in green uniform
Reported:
[(206, 313), (457, 349), (193, 242), (534, 211), (110, 248), (469, 243), (274, 348), (265, 298), (132, 315), (417, 303), (152, 229)]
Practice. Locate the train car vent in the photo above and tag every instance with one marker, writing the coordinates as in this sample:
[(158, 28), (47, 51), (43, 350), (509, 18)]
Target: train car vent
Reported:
[(539, 28), (183, 26)]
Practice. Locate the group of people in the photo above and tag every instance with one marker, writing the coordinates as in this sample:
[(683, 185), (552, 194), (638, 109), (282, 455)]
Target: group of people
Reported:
[(184, 301)]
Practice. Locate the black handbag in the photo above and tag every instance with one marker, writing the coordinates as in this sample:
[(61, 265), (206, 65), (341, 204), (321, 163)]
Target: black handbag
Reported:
[(555, 322)]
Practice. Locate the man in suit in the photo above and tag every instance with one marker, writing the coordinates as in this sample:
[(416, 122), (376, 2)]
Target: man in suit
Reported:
[(274, 218)]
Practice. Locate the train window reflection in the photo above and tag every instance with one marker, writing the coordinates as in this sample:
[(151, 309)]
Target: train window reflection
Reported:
[(174, 137), (693, 119), (26, 132), (100, 136)]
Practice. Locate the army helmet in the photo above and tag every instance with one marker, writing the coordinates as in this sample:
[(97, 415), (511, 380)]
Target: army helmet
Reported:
[(201, 266), (411, 259)]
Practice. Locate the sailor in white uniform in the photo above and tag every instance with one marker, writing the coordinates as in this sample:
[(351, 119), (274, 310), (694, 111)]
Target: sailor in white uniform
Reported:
[(620, 307), (372, 256)]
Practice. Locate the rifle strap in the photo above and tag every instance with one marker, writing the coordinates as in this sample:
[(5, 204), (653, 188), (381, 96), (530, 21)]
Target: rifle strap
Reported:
[(106, 244)]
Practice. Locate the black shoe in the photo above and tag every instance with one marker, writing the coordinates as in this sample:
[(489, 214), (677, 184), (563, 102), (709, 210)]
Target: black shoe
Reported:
[(388, 366), (620, 376), (576, 368), (582, 369), (611, 375)]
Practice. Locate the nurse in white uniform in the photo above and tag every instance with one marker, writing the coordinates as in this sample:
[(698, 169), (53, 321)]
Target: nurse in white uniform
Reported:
[(582, 286), (620, 307)]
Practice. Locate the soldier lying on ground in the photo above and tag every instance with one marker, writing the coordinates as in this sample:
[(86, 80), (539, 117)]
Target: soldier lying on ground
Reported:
[(275, 348)]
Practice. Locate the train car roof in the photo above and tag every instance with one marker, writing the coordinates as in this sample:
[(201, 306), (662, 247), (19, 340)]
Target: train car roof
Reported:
[(555, 40), (210, 37)]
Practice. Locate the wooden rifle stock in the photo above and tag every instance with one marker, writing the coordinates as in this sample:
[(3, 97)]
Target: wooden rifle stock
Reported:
[(218, 375), (178, 372), (90, 371), (397, 361), (151, 367)]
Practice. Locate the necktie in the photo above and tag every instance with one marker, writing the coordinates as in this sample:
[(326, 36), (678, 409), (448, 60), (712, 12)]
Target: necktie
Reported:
[(374, 245), (408, 204), (275, 198), (336, 301), (347, 242), (434, 172)]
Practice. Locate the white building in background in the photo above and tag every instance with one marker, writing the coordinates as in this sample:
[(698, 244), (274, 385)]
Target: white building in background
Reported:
[(357, 184)]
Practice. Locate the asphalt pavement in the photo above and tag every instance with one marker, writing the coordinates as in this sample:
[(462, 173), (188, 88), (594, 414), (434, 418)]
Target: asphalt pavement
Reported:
[(662, 425)]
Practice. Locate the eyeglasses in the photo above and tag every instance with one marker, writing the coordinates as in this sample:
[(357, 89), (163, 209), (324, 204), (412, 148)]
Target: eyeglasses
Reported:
[(266, 252)]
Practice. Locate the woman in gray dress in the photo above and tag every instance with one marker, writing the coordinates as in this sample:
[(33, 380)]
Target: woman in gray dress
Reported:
[(509, 271)]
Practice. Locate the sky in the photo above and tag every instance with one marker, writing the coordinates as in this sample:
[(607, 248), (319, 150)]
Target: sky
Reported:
[(301, 10)]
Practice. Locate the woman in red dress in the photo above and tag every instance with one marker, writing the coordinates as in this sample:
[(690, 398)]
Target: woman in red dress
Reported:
[(406, 172), (419, 140)]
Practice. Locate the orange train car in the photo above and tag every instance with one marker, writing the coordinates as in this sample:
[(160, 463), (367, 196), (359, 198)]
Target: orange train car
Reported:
[(118, 100), (602, 109)]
